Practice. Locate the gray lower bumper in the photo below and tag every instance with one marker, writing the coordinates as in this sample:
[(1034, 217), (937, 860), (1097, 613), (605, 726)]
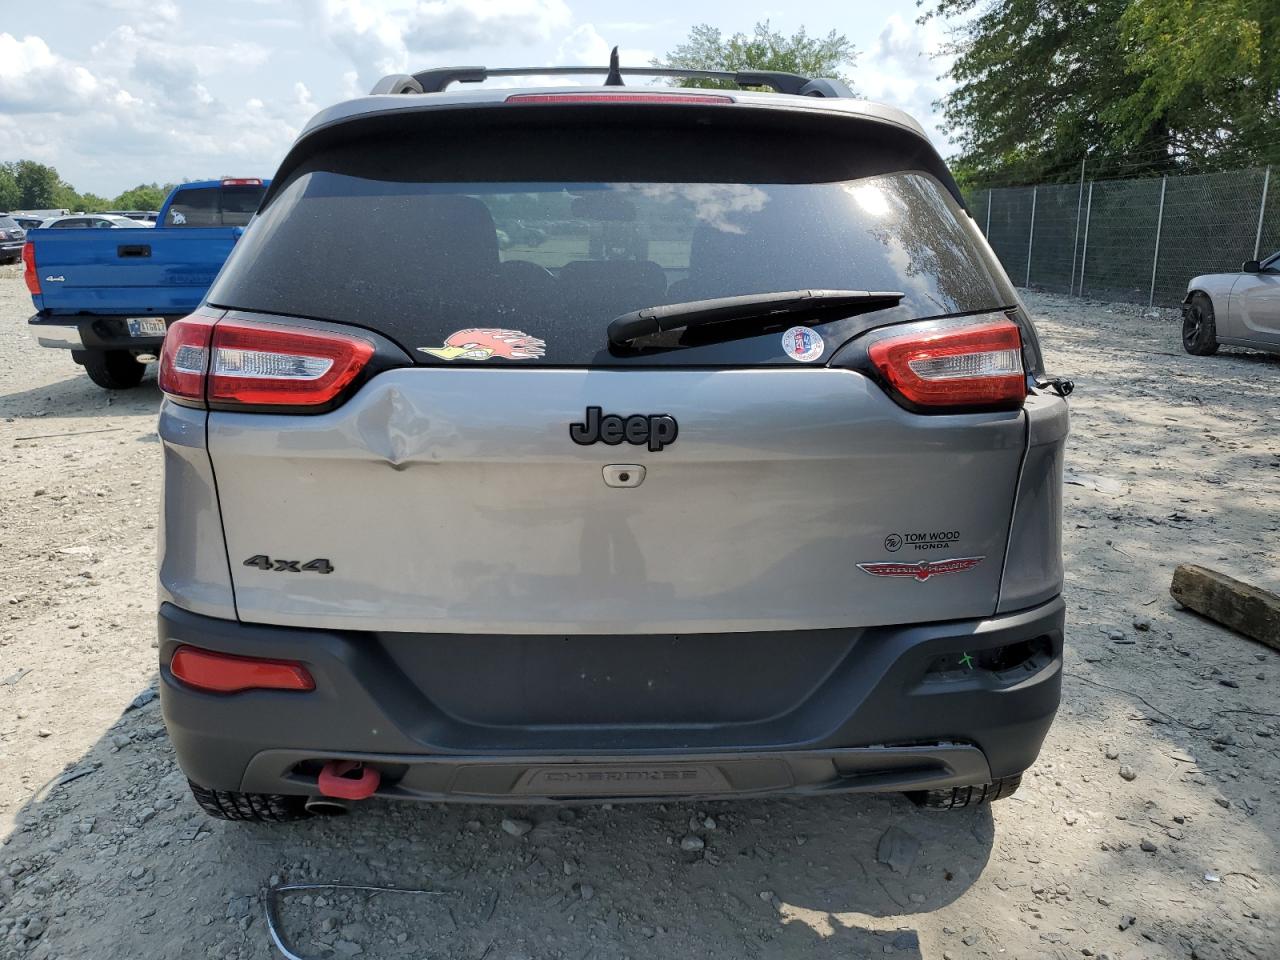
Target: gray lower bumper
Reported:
[(889, 708)]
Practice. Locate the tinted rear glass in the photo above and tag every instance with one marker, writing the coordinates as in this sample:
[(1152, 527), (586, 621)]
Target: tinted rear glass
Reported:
[(454, 269), (214, 206)]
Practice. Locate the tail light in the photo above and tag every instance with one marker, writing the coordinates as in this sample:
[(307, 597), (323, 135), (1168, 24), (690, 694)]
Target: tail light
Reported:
[(966, 362), (184, 359), (29, 273), (225, 673), (241, 182), (235, 363)]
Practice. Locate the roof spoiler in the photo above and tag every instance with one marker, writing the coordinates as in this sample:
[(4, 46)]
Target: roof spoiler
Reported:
[(436, 80)]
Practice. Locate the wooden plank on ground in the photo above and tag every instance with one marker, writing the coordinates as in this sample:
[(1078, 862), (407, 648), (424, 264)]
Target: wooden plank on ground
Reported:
[(1233, 603)]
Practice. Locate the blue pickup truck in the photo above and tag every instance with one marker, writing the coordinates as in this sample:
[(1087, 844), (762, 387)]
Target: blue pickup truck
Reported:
[(109, 295)]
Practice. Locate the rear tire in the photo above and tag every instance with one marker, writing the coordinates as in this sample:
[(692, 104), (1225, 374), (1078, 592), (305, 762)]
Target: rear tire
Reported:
[(958, 797), (1199, 329), (112, 369), (253, 807)]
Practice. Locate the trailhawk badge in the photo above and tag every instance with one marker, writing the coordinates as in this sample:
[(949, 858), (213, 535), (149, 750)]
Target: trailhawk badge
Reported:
[(922, 570)]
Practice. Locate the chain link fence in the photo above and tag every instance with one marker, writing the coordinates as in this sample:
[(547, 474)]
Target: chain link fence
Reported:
[(1135, 240)]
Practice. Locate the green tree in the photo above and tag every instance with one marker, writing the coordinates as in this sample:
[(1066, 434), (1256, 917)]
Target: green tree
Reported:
[(10, 195), (1137, 86), (65, 195), (92, 203), (1211, 69), (37, 184), (145, 196), (765, 49)]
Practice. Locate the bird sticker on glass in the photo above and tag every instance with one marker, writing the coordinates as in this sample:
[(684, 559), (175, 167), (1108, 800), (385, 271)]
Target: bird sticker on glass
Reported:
[(481, 343), (803, 344)]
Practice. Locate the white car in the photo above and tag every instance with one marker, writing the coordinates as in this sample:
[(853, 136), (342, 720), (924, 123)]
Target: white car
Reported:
[(1238, 309), (92, 221)]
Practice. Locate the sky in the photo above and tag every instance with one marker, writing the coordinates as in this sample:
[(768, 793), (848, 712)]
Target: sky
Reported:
[(120, 92)]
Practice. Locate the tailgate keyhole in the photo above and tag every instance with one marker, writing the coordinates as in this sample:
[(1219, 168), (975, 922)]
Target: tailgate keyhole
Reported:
[(624, 475)]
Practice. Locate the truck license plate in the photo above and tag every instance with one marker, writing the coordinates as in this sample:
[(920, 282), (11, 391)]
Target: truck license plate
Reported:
[(146, 326)]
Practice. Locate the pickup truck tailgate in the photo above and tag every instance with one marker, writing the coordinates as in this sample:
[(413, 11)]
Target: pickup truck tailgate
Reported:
[(159, 271)]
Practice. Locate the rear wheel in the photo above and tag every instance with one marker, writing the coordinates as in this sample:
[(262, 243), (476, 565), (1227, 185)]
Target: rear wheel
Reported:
[(958, 797), (112, 369), (254, 807), (1199, 331)]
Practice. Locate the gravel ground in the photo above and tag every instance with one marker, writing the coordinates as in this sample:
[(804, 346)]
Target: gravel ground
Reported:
[(1148, 828)]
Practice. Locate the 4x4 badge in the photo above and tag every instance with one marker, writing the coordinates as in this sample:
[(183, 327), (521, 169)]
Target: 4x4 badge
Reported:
[(922, 570)]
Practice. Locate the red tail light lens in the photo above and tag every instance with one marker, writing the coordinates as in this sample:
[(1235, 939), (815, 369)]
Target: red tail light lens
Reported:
[(619, 98), (29, 273), (262, 365), (184, 360), (227, 363), (225, 673), (954, 363)]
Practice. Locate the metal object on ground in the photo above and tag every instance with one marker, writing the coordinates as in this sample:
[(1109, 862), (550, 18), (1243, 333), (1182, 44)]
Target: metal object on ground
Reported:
[(273, 900)]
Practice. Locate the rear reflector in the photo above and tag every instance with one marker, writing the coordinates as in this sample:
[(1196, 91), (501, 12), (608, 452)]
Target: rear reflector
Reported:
[(29, 273), (184, 360), (225, 673), (953, 363), (619, 98), (232, 363)]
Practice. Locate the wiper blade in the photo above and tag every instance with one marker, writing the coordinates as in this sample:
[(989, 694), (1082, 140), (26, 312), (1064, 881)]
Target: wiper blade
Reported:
[(763, 306)]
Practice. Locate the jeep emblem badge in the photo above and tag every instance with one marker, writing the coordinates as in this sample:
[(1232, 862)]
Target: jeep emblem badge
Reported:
[(655, 430)]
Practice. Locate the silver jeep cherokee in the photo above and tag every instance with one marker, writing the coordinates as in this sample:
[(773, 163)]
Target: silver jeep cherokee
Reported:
[(589, 443)]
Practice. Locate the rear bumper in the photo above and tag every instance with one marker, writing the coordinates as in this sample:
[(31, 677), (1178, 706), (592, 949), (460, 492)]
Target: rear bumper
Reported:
[(883, 709), (10, 248), (90, 332)]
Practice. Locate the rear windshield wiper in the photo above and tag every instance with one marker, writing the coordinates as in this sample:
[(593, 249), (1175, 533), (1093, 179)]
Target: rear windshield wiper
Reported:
[(763, 306)]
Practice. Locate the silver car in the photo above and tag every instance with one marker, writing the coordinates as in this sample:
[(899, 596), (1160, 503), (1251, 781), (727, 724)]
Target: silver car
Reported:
[(1238, 309), (734, 471)]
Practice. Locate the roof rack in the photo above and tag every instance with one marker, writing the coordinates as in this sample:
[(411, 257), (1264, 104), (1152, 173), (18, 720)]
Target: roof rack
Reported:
[(435, 81)]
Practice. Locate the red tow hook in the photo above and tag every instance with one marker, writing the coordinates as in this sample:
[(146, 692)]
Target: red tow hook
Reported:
[(335, 780)]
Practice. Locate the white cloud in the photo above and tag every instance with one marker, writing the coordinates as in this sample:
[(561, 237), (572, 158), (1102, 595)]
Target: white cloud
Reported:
[(384, 37), (371, 37), (140, 107), (585, 47), (458, 24), (903, 68), (32, 78)]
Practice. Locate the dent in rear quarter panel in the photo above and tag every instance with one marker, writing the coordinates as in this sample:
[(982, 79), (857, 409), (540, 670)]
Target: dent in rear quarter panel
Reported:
[(1033, 564), (193, 554)]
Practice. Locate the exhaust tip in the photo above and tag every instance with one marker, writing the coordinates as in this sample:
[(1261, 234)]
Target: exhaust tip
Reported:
[(327, 806)]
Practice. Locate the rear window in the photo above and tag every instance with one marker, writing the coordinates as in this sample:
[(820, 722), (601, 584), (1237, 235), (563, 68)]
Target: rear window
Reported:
[(231, 206), (532, 271), (8, 223)]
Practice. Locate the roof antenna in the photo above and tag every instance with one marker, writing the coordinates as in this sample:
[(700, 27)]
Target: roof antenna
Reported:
[(614, 79)]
